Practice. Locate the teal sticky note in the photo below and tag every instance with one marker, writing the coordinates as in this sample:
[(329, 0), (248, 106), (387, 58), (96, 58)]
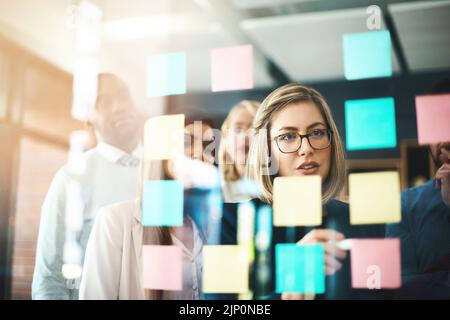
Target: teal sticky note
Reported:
[(300, 268), (162, 203), (370, 124), (367, 55), (166, 74)]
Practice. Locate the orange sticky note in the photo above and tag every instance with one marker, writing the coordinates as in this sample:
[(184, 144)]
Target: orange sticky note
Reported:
[(375, 263), (232, 68), (433, 118), (162, 267)]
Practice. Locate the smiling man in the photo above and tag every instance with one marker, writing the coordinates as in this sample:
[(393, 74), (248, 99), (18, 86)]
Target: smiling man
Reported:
[(110, 176)]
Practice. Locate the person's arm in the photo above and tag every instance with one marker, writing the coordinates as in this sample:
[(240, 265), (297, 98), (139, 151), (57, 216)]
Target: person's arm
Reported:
[(404, 232), (329, 239), (443, 176), (48, 281), (103, 258)]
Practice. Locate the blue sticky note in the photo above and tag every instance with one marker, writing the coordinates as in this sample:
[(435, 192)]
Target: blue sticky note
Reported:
[(300, 268), (166, 74), (370, 124), (162, 203), (367, 55)]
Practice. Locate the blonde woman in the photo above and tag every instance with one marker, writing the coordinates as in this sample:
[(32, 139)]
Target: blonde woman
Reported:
[(234, 148), (295, 135)]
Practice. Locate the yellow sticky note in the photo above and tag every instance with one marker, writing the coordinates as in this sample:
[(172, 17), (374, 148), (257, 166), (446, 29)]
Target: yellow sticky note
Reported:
[(297, 201), (374, 197), (225, 269), (164, 137)]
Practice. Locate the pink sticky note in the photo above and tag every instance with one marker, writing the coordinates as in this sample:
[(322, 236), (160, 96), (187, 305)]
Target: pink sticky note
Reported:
[(232, 68), (162, 267), (375, 263), (433, 118)]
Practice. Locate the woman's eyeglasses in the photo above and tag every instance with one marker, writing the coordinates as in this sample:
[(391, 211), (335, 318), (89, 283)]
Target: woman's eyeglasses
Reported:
[(291, 142)]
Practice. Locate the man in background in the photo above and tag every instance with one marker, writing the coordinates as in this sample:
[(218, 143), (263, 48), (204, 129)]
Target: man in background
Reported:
[(110, 175)]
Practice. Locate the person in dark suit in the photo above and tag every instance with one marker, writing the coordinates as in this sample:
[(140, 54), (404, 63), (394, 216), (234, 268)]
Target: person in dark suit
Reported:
[(424, 230)]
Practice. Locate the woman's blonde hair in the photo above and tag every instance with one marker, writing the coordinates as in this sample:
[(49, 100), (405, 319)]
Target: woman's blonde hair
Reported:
[(153, 170), (262, 169), (227, 167)]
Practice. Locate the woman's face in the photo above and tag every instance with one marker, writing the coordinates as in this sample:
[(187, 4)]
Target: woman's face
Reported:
[(237, 140), (198, 137), (300, 118)]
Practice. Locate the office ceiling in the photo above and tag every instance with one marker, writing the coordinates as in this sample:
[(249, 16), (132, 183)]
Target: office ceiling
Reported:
[(294, 40)]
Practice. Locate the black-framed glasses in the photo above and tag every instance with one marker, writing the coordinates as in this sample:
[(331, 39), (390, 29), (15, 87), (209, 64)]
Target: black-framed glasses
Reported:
[(290, 142)]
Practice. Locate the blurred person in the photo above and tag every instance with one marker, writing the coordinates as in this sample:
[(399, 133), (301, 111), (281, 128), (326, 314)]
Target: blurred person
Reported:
[(113, 264), (294, 134), (234, 148), (200, 149), (111, 175), (233, 151), (424, 230)]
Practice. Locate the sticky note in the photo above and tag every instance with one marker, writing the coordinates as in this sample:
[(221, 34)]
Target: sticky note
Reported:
[(232, 68), (367, 55), (374, 197), (164, 137), (433, 118), (166, 74), (162, 267), (225, 269), (297, 201), (375, 263), (370, 124), (300, 268), (162, 203)]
